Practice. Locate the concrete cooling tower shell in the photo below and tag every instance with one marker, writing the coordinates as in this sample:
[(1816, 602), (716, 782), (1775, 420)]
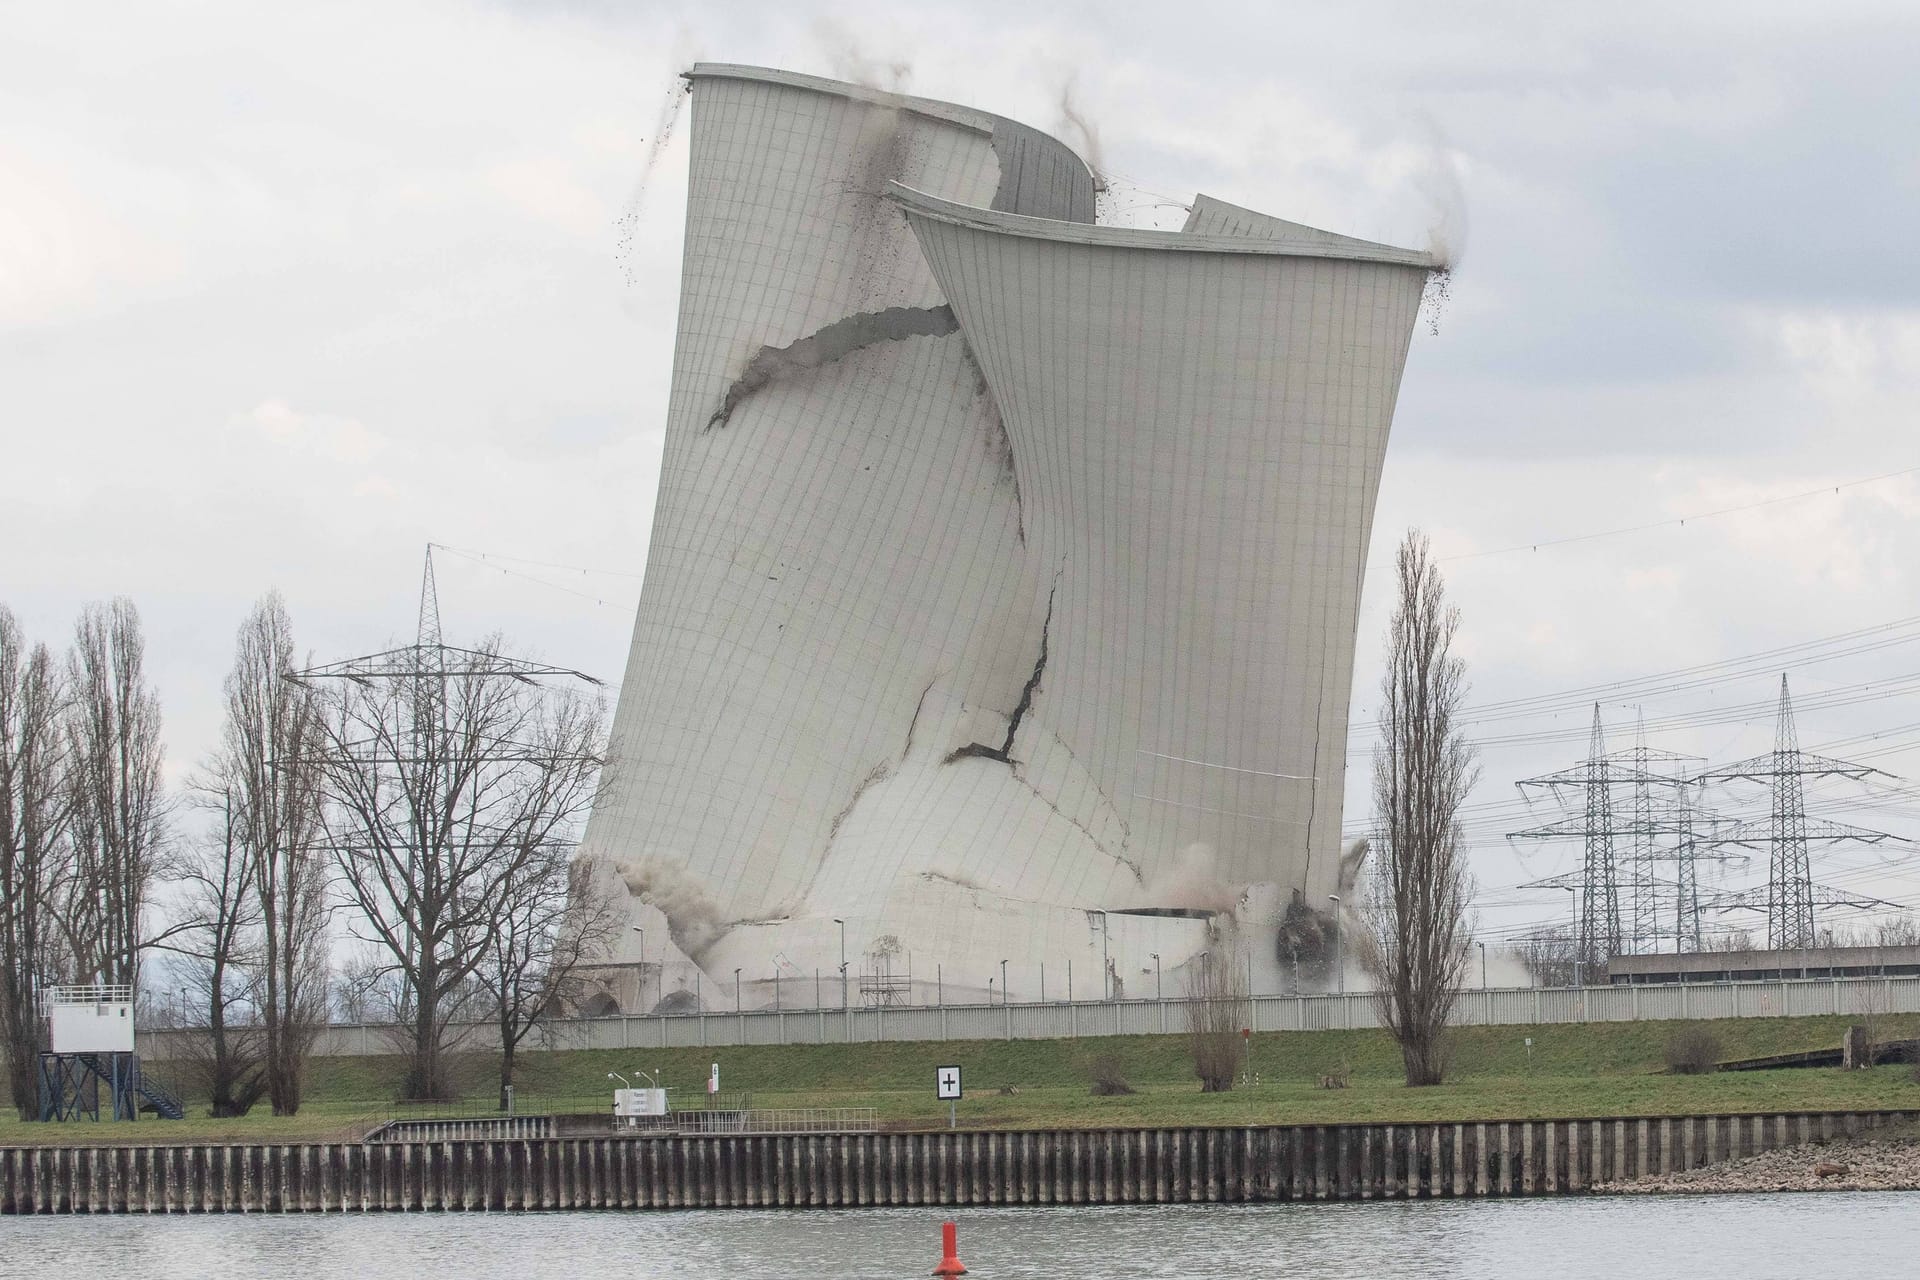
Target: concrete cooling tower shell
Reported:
[(1001, 599)]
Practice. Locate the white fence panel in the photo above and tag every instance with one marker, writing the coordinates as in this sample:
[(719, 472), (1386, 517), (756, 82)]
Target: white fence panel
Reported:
[(1772, 998)]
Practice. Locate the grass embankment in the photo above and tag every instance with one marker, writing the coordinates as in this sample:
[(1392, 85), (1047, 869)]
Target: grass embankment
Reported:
[(1598, 1069)]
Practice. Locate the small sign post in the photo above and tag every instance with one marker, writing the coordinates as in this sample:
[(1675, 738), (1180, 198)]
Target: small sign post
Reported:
[(946, 1087)]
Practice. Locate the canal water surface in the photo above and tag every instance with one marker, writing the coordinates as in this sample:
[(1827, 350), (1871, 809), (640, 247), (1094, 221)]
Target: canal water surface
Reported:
[(1755, 1237)]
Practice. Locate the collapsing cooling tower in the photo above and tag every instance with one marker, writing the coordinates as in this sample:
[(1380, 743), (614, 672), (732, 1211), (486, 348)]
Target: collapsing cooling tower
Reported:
[(1003, 583)]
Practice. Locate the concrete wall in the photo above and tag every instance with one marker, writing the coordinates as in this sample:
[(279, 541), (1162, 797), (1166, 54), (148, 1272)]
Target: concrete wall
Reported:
[(1515, 1007), (1103, 1166), (1733, 966)]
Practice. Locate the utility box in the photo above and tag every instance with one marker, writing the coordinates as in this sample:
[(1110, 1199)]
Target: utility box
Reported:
[(89, 1019)]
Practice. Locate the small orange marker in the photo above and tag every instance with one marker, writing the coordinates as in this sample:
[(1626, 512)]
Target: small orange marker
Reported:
[(949, 1245)]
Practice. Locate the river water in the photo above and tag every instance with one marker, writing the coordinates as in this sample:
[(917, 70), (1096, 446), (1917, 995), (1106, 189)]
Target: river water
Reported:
[(1753, 1237)]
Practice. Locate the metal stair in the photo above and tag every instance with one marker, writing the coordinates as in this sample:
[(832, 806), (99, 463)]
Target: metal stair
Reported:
[(139, 1082), (165, 1102)]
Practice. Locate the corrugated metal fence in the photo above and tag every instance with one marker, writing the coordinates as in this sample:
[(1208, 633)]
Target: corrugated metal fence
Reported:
[(1781, 998)]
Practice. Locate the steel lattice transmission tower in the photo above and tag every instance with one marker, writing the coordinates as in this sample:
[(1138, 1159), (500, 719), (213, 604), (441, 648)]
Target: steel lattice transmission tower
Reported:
[(1788, 833), (1597, 922), (425, 669), (1662, 811), (429, 664)]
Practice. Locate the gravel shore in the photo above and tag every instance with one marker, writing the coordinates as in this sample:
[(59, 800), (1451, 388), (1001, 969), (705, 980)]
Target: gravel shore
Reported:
[(1881, 1161)]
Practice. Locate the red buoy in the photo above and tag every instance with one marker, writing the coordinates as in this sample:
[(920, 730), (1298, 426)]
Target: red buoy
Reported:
[(949, 1246)]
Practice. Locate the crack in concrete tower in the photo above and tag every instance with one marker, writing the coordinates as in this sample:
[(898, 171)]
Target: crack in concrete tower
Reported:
[(836, 341)]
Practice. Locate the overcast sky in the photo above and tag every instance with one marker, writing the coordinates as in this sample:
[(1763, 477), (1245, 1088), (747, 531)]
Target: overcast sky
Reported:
[(288, 291)]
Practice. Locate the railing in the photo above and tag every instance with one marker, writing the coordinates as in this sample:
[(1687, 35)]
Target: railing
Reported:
[(1517, 1006), (492, 1128), (98, 993), (480, 1128), (776, 1120)]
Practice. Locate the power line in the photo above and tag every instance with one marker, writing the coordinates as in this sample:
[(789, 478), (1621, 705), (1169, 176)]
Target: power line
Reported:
[(481, 559), (1678, 521), (489, 556)]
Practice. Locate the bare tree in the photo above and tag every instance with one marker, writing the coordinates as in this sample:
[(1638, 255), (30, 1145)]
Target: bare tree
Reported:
[(1217, 1012), (270, 767), (33, 813), (555, 916), (118, 822), (446, 790), (1417, 908), (364, 989), (1548, 956), (217, 937)]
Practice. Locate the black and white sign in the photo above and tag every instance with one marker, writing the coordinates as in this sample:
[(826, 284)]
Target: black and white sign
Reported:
[(947, 1083)]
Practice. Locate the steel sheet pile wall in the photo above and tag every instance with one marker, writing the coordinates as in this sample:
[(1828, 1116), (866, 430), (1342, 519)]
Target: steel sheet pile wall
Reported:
[(1106, 1166)]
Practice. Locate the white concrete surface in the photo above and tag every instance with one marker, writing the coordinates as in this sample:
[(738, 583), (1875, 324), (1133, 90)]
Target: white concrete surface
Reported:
[(1005, 567)]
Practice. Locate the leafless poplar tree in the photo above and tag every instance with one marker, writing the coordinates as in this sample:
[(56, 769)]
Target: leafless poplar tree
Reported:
[(1417, 908), (446, 791), (555, 917), (33, 813), (270, 768), (118, 823)]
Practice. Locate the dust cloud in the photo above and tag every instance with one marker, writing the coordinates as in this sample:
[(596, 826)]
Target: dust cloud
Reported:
[(693, 918)]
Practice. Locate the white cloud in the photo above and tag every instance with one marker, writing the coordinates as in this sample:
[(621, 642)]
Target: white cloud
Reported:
[(316, 435)]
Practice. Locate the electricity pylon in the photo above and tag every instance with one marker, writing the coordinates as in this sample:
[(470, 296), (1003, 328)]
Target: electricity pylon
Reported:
[(1788, 833)]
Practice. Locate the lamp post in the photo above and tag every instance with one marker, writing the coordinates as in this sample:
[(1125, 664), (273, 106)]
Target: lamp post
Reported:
[(642, 995), (1483, 965), (1106, 959), (624, 1082), (1339, 972), (1003, 984), (1158, 994), (843, 960), (736, 991)]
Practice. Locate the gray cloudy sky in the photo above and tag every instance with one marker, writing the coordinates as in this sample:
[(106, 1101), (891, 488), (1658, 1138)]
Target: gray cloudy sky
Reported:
[(287, 291)]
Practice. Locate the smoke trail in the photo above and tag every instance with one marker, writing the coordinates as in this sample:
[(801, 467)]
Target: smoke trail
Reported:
[(852, 63), (1072, 121), (1439, 182)]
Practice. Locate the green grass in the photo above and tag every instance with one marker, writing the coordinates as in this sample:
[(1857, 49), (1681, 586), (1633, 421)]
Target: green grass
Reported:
[(1599, 1069)]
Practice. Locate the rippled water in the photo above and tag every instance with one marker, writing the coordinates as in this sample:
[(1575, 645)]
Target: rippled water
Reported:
[(1753, 1237)]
